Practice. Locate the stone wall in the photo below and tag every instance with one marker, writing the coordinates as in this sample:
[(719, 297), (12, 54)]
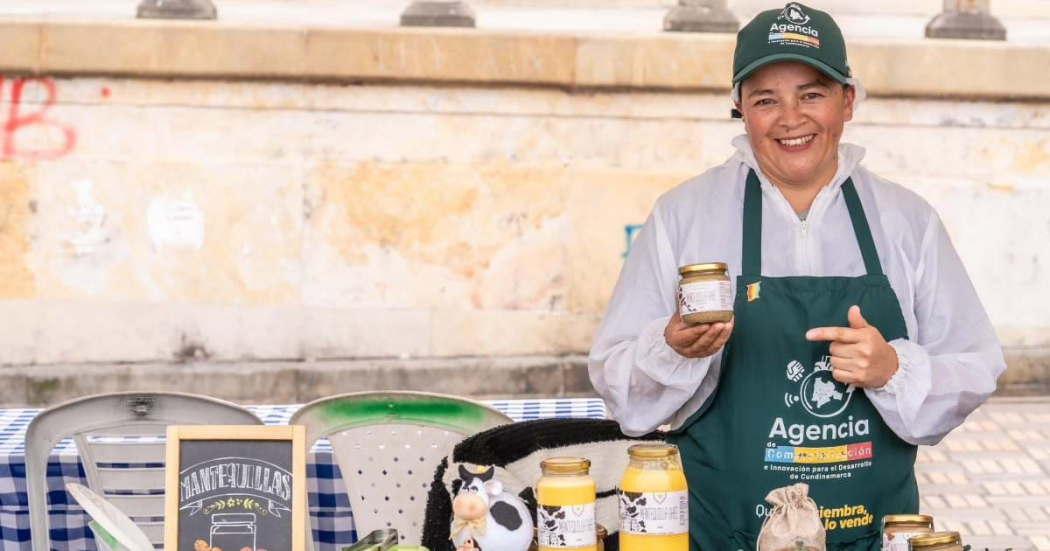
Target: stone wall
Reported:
[(1007, 8), (285, 238)]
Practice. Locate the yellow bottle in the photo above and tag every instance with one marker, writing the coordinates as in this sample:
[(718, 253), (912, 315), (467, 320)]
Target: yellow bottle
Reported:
[(565, 496), (654, 500)]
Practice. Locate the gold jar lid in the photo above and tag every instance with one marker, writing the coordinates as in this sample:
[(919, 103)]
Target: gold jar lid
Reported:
[(711, 267), (566, 465), (935, 539), (907, 519), (652, 451)]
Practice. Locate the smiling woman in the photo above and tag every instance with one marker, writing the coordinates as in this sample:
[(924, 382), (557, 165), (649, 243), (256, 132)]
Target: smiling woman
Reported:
[(794, 116), (843, 282)]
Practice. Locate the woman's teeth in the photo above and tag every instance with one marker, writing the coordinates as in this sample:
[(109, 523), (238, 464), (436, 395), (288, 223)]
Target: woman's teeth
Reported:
[(795, 142)]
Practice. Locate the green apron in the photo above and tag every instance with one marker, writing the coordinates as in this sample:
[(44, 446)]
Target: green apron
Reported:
[(778, 417)]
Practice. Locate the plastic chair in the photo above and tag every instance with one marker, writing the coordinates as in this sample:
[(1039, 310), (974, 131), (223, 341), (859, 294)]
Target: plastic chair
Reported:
[(387, 445), (97, 424)]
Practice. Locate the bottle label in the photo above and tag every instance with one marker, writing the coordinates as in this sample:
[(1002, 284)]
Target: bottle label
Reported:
[(654, 513), (705, 296), (567, 527), (899, 541)]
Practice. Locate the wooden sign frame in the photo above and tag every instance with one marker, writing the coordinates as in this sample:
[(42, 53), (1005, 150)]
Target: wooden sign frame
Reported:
[(296, 434)]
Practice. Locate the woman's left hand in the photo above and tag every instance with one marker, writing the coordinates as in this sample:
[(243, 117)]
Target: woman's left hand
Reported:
[(859, 354)]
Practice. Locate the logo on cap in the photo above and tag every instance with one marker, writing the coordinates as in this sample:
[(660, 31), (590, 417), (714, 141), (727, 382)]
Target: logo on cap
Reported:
[(793, 28), (793, 13)]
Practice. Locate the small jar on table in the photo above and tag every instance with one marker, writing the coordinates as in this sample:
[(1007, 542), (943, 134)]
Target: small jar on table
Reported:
[(937, 541), (897, 530)]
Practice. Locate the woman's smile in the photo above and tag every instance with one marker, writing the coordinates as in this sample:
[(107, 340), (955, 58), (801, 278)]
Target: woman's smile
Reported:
[(800, 143)]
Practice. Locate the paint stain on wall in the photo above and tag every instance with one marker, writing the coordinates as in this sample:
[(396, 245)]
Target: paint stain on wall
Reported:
[(29, 132), (16, 279), (441, 214), (175, 221), (1033, 157), (488, 234), (90, 218)]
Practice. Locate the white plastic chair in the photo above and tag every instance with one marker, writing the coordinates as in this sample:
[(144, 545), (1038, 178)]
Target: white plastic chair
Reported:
[(387, 445), (98, 424)]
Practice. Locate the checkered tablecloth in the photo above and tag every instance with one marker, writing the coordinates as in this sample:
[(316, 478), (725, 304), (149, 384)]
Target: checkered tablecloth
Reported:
[(331, 518)]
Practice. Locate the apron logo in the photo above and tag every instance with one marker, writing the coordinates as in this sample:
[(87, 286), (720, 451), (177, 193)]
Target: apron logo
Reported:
[(753, 290), (819, 393)]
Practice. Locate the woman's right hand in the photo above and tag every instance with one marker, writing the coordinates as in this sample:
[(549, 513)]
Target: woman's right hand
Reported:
[(696, 341)]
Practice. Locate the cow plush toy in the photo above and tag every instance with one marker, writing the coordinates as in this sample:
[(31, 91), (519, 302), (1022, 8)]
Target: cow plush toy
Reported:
[(517, 450), (486, 518)]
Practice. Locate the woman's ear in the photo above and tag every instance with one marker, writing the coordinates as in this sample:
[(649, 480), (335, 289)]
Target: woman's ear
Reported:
[(849, 97)]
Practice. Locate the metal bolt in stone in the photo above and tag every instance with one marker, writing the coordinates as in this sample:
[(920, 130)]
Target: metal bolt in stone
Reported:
[(967, 19), (435, 13), (177, 9), (701, 16)]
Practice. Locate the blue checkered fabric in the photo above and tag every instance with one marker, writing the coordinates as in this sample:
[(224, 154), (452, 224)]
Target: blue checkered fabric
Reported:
[(330, 515)]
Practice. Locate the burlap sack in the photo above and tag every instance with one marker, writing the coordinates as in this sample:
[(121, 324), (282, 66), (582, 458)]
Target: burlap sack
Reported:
[(794, 523)]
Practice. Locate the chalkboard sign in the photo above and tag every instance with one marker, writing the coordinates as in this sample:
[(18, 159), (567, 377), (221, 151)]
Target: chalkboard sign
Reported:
[(235, 488)]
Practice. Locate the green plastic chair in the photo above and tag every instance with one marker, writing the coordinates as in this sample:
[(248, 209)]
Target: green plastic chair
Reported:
[(387, 445)]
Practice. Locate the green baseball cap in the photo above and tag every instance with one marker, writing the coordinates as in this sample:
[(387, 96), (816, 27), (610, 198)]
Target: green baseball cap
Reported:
[(794, 33)]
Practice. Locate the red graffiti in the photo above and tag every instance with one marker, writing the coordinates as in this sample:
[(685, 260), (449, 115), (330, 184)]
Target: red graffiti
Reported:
[(20, 120)]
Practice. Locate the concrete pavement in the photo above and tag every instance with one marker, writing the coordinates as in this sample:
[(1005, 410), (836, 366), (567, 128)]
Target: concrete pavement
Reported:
[(990, 478)]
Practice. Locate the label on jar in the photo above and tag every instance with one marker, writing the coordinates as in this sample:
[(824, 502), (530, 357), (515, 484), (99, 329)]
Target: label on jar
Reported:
[(654, 513), (567, 526), (705, 296), (899, 541)]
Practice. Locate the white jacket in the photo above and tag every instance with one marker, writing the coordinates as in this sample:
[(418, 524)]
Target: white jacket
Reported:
[(947, 369)]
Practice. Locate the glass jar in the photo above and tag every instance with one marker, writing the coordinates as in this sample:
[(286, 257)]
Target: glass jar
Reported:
[(705, 294), (898, 529), (654, 500), (565, 496), (937, 541)]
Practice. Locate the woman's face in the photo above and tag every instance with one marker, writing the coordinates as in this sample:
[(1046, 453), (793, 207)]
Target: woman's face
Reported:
[(794, 116)]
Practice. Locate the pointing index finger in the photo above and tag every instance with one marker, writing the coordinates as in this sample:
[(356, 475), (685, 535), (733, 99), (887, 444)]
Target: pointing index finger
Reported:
[(837, 334)]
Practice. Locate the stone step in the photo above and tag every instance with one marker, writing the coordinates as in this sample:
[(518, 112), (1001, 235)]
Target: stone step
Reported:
[(291, 381)]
